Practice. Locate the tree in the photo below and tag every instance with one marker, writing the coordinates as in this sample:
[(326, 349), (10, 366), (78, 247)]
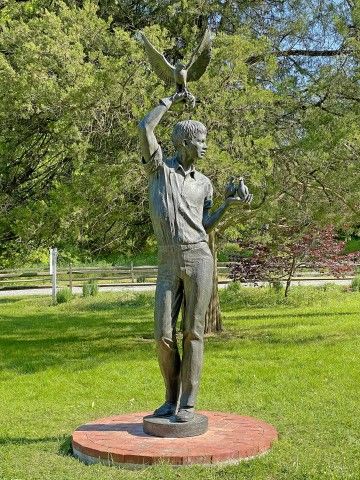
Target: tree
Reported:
[(276, 260), (68, 140), (69, 145), (280, 99)]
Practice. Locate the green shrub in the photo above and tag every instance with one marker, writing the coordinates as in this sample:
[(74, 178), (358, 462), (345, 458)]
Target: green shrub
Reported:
[(64, 295), (90, 288), (355, 284)]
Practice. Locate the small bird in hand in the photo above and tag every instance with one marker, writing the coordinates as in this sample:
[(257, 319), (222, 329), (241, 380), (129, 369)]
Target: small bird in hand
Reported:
[(242, 190), (237, 193), (231, 188)]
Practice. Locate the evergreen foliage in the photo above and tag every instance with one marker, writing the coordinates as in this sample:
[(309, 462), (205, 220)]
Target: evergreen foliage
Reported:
[(74, 82)]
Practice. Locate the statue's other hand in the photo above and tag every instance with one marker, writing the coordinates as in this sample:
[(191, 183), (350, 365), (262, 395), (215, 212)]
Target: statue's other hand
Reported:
[(236, 200)]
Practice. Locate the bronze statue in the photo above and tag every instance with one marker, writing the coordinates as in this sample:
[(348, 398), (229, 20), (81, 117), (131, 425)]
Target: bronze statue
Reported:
[(180, 207)]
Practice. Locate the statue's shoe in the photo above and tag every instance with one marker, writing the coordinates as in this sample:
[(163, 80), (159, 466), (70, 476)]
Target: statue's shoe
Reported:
[(166, 410), (185, 414)]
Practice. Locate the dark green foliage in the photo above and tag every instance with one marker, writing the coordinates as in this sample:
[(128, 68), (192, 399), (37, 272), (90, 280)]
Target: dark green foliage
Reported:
[(68, 139), (74, 82)]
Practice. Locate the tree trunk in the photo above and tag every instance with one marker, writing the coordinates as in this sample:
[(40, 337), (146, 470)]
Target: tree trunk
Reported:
[(291, 273), (213, 321)]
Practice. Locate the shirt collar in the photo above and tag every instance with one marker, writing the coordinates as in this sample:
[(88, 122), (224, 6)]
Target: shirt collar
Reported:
[(178, 166)]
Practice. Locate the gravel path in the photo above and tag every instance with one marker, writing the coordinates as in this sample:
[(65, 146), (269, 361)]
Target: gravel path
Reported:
[(150, 287)]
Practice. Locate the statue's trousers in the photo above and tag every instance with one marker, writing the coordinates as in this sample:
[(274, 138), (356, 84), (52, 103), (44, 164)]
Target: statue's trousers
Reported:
[(185, 272)]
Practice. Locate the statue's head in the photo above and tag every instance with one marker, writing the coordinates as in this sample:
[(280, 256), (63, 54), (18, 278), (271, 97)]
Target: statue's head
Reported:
[(190, 136)]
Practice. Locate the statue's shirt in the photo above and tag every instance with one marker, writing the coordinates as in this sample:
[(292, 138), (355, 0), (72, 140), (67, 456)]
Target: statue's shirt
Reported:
[(177, 201)]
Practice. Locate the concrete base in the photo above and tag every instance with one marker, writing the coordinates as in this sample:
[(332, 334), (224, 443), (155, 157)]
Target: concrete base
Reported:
[(121, 440), (168, 427)]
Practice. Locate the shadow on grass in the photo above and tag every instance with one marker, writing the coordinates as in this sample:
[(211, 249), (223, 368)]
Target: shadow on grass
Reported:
[(271, 338), (271, 333), (8, 300), (34, 342), (65, 447), (26, 441), (257, 316), (82, 336)]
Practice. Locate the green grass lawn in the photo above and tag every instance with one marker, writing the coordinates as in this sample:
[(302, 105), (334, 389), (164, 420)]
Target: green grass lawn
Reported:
[(295, 365)]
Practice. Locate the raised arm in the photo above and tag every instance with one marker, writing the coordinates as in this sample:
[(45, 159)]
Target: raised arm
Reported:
[(148, 142)]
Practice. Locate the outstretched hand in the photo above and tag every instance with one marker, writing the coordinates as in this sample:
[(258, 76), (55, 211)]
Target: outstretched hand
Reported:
[(233, 200)]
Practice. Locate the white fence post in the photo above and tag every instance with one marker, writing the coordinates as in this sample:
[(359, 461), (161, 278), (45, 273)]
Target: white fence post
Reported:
[(70, 278), (132, 272), (53, 262)]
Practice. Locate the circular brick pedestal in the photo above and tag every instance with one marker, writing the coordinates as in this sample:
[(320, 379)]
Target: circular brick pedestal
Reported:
[(120, 440), (168, 427)]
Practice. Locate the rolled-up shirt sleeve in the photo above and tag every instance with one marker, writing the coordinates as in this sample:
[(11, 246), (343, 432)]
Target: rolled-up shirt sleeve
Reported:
[(155, 161)]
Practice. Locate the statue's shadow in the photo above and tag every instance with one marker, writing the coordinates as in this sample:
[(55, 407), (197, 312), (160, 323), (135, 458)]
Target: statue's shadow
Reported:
[(135, 429)]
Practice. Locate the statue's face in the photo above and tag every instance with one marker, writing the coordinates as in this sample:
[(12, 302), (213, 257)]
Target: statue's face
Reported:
[(196, 146)]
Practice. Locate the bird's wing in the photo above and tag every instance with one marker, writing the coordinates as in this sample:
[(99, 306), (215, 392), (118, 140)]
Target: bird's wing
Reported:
[(163, 69), (200, 58)]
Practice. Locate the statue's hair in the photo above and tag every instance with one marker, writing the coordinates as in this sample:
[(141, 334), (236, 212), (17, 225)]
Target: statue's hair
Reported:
[(186, 130)]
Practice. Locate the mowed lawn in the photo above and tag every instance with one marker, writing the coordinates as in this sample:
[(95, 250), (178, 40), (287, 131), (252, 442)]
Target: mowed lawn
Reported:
[(295, 365)]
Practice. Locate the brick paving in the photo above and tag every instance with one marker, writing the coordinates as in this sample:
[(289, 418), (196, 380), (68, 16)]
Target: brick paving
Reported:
[(121, 440)]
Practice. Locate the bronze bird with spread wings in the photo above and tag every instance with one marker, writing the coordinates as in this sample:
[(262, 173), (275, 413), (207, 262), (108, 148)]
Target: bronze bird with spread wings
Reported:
[(180, 73)]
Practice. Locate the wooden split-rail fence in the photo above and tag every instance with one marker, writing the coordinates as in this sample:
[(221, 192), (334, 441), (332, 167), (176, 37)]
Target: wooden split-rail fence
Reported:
[(73, 276)]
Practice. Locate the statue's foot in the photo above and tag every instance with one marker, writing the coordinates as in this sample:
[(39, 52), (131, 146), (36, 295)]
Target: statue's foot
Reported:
[(166, 410), (185, 414)]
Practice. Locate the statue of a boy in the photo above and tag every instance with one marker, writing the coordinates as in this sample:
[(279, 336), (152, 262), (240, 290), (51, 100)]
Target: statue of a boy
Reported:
[(180, 203)]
